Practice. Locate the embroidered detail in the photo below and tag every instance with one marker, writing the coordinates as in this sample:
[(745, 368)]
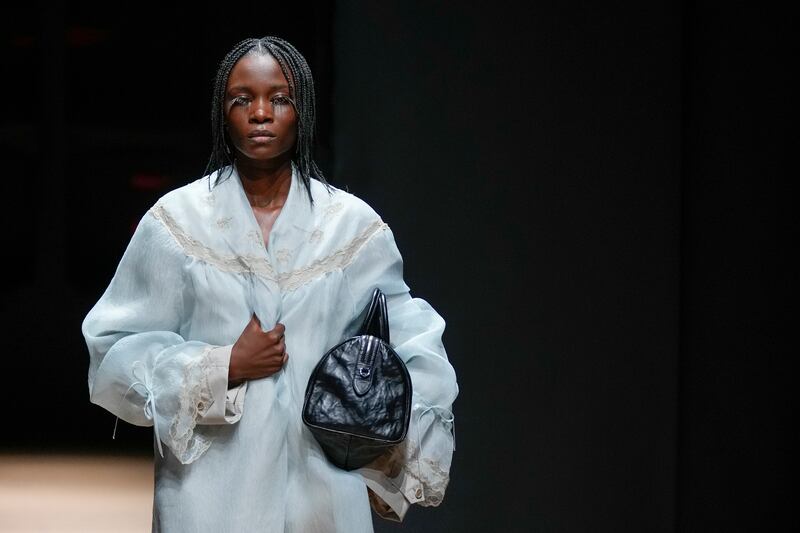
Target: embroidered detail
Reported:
[(186, 444), (196, 249), (316, 236), (333, 209), (340, 259), (283, 255), (209, 199), (255, 238), (224, 223), (245, 264)]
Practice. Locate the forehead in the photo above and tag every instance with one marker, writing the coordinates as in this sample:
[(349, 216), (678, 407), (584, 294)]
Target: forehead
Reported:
[(257, 72)]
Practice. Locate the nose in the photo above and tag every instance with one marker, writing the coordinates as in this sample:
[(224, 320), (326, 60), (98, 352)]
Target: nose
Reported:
[(261, 111)]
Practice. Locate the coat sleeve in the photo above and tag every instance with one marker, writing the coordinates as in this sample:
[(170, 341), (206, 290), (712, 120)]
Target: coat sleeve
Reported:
[(417, 471), (140, 368)]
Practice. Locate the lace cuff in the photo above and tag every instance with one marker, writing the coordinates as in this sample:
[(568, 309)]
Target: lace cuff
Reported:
[(431, 453), (184, 442), (416, 471)]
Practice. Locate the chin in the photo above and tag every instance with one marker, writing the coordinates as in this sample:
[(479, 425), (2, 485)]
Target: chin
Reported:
[(262, 156)]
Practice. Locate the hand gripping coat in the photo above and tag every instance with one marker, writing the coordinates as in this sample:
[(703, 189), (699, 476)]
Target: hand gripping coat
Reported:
[(240, 459)]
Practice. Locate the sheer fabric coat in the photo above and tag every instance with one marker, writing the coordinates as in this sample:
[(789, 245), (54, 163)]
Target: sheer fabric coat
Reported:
[(240, 459)]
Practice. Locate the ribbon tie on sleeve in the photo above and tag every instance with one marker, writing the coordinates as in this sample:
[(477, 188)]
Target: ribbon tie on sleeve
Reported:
[(445, 415), (143, 380)]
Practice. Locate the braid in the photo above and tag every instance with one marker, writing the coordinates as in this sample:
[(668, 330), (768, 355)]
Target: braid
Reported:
[(301, 89)]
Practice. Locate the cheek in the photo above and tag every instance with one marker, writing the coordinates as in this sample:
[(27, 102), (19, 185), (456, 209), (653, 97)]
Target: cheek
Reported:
[(289, 120), (236, 131), (290, 129)]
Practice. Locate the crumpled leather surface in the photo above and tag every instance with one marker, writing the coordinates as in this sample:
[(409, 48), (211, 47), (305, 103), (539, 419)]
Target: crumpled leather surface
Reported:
[(358, 398)]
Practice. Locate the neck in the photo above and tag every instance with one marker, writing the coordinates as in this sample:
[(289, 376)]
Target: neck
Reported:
[(265, 183)]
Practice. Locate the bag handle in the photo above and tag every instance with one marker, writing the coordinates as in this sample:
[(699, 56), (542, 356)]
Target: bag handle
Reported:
[(376, 323)]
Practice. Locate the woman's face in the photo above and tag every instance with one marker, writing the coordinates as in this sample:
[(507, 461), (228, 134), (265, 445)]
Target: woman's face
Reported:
[(262, 122)]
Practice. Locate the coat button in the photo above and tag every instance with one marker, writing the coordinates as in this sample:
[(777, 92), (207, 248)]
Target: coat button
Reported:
[(419, 493)]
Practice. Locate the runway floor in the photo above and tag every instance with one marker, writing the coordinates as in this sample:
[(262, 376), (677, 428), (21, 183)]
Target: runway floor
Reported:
[(74, 493)]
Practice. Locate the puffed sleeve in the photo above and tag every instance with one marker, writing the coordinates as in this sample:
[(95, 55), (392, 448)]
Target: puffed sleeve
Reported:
[(140, 368), (419, 470)]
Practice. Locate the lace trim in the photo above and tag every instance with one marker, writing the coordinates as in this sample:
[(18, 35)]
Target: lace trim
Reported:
[(340, 259), (410, 460), (194, 248), (187, 445), (288, 281), (433, 478)]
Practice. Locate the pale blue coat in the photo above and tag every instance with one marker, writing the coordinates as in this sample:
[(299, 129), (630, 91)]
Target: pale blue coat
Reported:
[(240, 459)]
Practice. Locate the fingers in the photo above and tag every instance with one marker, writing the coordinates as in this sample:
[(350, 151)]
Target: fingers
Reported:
[(274, 345), (276, 334)]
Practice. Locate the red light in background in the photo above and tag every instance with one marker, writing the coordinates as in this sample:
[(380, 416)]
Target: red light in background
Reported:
[(22, 41), (75, 36), (149, 182), (79, 36)]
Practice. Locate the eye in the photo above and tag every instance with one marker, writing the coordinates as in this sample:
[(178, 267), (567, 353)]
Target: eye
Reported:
[(281, 99), (240, 100)]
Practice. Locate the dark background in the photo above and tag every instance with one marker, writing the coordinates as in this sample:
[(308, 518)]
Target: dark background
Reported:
[(594, 196)]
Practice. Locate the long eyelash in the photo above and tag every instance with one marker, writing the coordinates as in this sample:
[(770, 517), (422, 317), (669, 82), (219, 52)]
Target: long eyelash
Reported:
[(283, 99)]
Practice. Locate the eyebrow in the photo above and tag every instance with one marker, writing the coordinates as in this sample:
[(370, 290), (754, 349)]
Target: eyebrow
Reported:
[(247, 88)]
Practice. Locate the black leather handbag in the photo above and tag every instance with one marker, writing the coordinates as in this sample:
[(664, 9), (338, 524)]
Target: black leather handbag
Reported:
[(358, 398)]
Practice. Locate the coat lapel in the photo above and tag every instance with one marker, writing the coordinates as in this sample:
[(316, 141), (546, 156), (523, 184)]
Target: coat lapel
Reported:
[(238, 233)]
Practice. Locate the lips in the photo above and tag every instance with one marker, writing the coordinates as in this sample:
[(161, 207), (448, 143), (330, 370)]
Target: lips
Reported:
[(260, 133)]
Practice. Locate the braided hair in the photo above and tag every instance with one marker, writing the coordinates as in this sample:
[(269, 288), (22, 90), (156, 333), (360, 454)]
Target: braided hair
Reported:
[(301, 89)]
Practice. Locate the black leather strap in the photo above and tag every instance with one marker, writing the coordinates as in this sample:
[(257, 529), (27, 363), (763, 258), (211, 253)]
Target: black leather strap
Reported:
[(376, 322)]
